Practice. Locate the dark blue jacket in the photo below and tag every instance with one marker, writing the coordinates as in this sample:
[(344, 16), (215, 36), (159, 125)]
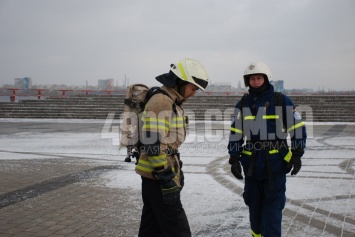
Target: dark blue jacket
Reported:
[(259, 133)]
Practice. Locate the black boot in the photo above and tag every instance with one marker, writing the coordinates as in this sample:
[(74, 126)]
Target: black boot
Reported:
[(128, 158)]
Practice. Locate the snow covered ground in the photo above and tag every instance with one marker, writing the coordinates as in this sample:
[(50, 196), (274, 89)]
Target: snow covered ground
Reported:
[(320, 199)]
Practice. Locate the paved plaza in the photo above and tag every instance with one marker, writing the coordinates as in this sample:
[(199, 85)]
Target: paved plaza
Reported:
[(68, 178)]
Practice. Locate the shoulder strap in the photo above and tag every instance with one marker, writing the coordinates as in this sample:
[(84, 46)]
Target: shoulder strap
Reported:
[(278, 98), (279, 102), (243, 100), (155, 90)]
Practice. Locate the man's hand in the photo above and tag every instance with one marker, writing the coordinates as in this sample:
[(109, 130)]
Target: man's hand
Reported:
[(295, 160), (170, 191), (236, 168), (296, 164)]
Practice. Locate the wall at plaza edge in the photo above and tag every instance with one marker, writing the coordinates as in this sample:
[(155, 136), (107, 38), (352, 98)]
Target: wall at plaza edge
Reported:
[(317, 108)]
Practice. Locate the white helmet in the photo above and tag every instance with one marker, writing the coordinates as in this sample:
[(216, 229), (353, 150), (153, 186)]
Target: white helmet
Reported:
[(190, 70), (257, 68)]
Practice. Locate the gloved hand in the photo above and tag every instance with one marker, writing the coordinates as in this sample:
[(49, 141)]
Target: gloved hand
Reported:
[(295, 160), (169, 189), (236, 168)]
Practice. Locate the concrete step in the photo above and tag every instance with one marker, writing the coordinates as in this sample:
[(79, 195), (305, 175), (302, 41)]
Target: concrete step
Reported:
[(323, 108)]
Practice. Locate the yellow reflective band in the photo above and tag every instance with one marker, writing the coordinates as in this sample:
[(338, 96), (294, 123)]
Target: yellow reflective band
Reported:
[(250, 117), (271, 117), (158, 161), (178, 119), (177, 122), (170, 190), (144, 165), (273, 151), (300, 124), (155, 120), (153, 123), (144, 168), (254, 234), (236, 130), (247, 152), (288, 156), (176, 125), (182, 71)]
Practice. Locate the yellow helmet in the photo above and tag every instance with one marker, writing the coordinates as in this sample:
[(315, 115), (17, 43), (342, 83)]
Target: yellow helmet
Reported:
[(190, 70)]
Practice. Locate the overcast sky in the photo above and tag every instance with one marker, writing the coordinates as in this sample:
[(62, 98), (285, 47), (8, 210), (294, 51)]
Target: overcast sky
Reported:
[(308, 44)]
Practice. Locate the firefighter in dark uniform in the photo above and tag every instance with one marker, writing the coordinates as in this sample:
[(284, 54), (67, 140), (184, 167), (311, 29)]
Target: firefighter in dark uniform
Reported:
[(163, 131), (263, 119)]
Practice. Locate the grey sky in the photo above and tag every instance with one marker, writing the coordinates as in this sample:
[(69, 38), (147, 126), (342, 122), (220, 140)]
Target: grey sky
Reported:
[(308, 44)]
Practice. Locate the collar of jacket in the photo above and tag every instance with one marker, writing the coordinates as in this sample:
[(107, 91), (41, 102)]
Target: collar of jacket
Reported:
[(265, 93), (178, 99)]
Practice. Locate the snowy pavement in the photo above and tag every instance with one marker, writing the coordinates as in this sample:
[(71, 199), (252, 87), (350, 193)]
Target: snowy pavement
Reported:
[(68, 178)]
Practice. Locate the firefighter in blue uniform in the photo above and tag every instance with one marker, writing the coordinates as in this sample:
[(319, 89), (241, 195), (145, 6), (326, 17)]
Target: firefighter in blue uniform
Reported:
[(262, 121)]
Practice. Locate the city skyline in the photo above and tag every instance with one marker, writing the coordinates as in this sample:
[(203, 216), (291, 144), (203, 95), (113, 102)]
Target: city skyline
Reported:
[(212, 86)]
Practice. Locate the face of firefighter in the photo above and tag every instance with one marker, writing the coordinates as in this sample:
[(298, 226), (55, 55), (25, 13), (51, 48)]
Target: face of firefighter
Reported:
[(256, 80), (189, 90)]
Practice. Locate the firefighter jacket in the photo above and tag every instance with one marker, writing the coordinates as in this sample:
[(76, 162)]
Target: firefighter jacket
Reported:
[(259, 134), (163, 131)]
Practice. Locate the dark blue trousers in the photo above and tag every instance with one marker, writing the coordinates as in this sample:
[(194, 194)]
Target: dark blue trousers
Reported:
[(265, 204)]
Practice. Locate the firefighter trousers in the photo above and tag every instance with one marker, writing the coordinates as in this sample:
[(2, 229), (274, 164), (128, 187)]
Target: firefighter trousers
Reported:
[(265, 205), (158, 219)]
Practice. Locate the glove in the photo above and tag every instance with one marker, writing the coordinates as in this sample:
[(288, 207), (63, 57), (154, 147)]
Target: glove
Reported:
[(295, 160), (296, 163), (236, 168), (170, 191)]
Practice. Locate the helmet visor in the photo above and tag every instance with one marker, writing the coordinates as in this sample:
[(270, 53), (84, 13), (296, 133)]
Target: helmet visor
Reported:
[(201, 82)]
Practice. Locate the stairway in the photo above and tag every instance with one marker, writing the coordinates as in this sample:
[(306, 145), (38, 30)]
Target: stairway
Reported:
[(317, 108)]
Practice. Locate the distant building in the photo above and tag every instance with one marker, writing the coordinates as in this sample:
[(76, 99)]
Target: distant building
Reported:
[(219, 87), (23, 83), (278, 85), (106, 84)]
